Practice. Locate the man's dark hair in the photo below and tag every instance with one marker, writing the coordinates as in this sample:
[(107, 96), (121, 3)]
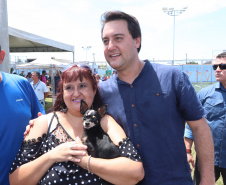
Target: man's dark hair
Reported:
[(132, 22), (221, 55)]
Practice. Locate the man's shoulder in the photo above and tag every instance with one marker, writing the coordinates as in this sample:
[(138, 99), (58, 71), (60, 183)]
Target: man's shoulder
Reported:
[(108, 83), (108, 86), (165, 69), (15, 78), (208, 89), (42, 83)]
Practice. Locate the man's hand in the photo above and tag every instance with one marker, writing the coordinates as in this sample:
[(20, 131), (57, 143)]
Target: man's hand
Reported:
[(190, 160), (31, 123)]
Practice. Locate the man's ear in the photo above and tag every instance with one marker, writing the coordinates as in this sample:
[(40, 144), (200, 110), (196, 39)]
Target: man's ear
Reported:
[(137, 42), (83, 107), (2, 55), (102, 110)]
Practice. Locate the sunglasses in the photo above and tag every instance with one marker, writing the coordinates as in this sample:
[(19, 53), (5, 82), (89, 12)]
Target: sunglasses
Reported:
[(221, 66)]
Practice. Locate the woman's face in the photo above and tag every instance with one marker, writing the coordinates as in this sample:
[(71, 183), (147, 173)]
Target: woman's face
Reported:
[(74, 92)]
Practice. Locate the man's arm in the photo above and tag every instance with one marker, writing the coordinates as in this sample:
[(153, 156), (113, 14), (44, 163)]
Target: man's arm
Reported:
[(204, 149), (188, 144), (46, 94)]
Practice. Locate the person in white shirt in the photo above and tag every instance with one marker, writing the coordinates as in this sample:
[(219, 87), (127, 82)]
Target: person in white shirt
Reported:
[(39, 87)]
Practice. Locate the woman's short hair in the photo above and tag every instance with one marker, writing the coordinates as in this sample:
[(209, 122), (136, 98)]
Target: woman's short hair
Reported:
[(74, 73)]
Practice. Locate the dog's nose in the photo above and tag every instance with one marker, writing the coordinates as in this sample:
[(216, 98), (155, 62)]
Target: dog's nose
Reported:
[(87, 124)]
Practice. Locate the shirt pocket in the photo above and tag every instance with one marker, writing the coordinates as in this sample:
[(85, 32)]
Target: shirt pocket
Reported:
[(155, 102), (214, 107)]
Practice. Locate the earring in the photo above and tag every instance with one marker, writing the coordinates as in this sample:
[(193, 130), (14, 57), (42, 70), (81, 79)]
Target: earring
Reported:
[(64, 110)]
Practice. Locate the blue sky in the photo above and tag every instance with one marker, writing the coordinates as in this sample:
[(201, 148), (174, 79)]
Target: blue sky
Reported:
[(199, 31)]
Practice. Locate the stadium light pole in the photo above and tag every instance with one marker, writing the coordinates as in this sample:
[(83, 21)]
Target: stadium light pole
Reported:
[(173, 12), (86, 48)]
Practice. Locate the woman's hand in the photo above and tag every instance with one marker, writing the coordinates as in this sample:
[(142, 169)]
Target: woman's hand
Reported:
[(70, 151)]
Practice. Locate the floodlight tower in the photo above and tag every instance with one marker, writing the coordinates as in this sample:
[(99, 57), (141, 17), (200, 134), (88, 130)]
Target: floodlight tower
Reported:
[(173, 12), (86, 48)]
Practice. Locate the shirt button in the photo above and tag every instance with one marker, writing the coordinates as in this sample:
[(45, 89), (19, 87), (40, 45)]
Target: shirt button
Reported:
[(131, 86), (157, 94), (133, 105), (135, 125), (138, 145)]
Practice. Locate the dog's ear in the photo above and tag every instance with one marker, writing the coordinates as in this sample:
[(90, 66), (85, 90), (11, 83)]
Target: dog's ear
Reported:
[(102, 110), (83, 107)]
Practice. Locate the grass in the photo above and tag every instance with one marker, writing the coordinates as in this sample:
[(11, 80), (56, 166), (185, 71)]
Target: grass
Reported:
[(49, 102), (198, 87)]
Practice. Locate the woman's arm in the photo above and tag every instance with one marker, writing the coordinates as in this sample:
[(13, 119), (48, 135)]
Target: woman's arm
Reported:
[(120, 170), (32, 172)]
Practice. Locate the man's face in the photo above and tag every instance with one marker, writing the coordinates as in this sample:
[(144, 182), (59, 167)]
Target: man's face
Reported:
[(34, 76), (120, 49), (220, 74)]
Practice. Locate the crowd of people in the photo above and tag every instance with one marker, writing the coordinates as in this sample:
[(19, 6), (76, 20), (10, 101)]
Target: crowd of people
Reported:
[(149, 105)]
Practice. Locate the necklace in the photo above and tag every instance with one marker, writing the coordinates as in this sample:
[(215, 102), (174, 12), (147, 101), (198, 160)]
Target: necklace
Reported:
[(36, 85)]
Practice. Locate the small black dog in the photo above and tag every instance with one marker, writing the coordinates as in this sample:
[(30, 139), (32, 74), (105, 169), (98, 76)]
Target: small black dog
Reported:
[(98, 142)]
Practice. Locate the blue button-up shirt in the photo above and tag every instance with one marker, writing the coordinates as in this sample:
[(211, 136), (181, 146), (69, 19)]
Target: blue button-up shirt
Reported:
[(213, 99), (152, 110)]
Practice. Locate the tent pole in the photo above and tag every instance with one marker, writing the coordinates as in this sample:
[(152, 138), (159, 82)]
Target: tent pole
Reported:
[(4, 36)]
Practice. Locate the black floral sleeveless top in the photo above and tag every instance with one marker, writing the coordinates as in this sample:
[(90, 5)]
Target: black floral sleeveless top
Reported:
[(64, 172)]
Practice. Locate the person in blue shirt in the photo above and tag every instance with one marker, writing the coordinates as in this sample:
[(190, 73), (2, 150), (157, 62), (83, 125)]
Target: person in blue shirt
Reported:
[(213, 99), (18, 104), (152, 102)]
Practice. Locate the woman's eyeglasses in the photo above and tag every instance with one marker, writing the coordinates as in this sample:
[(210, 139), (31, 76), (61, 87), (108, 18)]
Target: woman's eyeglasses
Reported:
[(221, 66)]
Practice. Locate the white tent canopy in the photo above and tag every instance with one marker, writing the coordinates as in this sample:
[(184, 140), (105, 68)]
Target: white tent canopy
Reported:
[(21, 41), (43, 63)]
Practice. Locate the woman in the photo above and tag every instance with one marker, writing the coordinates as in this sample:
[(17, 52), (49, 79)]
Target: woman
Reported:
[(53, 156)]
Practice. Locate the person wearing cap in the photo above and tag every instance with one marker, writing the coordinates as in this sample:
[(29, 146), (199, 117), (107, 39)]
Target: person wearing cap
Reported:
[(213, 99), (18, 104)]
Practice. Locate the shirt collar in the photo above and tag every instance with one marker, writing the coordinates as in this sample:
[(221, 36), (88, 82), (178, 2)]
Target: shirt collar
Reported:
[(145, 67), (218, 85)]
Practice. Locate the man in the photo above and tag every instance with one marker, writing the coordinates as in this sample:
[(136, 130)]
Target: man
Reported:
[(43, 76), (22, 73), (39, 87), (213, 99), (18, 104), (152, 103)]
